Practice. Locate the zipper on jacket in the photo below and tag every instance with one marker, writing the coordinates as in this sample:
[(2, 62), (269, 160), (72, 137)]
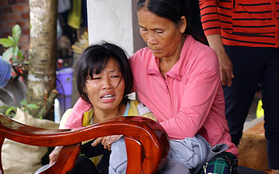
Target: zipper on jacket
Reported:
[(167, 85), (157, 73)]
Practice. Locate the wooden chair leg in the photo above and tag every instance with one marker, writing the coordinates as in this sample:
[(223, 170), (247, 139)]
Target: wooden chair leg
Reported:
[(134, 156), (1, 144), (66, 160)]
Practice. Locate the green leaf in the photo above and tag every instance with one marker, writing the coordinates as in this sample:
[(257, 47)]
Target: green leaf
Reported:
[(20, 54), (33, 106), (16, 60), (15, 55), (15, 51), (8, 54), (7, 42), (11, 38), (24, 102), (10, 110), (16, 33), (3, 107)]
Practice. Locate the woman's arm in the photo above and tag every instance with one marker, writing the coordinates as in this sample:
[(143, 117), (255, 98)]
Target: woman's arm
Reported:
[(226, 66), (106, 141), (53, 156), (74, 120), (198, 94), (210, 19)]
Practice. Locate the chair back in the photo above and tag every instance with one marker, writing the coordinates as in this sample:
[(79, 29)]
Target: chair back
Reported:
[(147, 143)]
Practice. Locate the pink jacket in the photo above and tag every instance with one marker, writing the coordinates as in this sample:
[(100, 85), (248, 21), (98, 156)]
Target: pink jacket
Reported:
[(190, 99)]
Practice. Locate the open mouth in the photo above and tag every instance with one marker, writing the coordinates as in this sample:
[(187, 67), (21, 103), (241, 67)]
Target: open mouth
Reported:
[(107, 97)]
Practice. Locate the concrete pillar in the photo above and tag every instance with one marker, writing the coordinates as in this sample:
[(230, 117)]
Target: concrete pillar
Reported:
[(114, 21)]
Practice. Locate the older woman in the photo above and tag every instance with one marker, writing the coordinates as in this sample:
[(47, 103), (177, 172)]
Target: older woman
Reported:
[(177, 78)]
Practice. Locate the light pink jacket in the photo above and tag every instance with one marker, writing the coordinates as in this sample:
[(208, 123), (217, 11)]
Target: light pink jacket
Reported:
[(190, 99)]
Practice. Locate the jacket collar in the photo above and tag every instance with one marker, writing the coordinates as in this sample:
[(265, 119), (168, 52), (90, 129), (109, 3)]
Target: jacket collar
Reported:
[(176, 70)]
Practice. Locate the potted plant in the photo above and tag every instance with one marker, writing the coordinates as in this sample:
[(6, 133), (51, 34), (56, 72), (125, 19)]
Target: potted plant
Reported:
[(14, 90), (18, 58)]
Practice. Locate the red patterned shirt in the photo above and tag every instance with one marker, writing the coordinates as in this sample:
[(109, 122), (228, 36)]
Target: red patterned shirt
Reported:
[(252, 23)]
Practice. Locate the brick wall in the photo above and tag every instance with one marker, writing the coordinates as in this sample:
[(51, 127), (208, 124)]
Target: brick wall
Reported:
[(15, 12)]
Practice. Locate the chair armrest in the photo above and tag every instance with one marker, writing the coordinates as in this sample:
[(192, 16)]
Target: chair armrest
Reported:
[(147, 143)]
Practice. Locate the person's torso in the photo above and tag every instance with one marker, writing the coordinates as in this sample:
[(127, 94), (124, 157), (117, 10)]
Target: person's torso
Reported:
[(164, 97), (252, 23)]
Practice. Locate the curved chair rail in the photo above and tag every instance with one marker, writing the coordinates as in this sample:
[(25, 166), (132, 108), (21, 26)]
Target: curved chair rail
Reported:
[(147, 143)]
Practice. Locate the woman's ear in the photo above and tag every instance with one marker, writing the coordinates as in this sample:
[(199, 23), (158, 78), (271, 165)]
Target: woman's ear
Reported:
[(183, 24)]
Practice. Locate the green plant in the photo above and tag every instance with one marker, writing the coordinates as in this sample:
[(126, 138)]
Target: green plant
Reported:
[(11, 110), (13, 52), (20, 62)]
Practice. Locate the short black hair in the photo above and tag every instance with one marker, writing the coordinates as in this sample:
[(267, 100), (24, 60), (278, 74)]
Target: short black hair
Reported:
[(94, 59)]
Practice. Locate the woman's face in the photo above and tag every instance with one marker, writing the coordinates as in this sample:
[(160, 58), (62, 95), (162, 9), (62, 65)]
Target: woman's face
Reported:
[(106, 90), (162, 36)]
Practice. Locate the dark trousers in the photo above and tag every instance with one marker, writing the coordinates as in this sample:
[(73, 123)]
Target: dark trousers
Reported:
[(84, 165), (253, 66)]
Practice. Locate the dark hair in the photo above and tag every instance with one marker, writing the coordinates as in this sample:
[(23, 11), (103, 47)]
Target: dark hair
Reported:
[(94, 59), (170, 9)]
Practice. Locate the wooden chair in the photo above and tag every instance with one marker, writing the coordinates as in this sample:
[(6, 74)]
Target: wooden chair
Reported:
[(147, 143)]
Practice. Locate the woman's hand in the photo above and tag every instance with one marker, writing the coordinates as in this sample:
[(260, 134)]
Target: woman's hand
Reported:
[(106, 141), (53, 156), (226, 69), (226, 66)]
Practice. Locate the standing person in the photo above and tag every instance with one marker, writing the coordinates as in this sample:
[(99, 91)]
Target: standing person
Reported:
[(177, 78), (245, 36)]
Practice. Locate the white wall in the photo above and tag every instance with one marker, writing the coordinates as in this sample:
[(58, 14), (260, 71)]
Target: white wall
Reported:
[(114, 21)]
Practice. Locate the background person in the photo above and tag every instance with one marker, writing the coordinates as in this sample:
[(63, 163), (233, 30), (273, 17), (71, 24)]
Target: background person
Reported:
[(244, 35)]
